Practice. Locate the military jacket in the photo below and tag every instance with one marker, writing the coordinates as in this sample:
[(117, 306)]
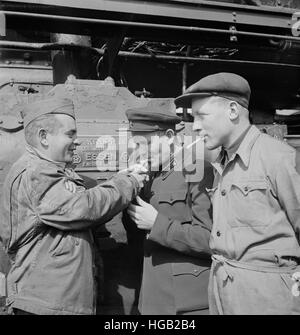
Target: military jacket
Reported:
[(46, 230), (177, 253)]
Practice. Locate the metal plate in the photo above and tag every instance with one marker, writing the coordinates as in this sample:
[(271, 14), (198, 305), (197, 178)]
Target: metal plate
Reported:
[(100, 153)]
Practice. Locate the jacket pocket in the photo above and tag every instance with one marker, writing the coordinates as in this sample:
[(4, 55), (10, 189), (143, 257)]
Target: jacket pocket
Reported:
[(190, 283), (63, 244), (171, 198), (250, 186), (174, 204), (248, 204)]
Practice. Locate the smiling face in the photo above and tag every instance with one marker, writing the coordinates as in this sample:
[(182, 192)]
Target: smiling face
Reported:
[(61, 144), (212, 121)]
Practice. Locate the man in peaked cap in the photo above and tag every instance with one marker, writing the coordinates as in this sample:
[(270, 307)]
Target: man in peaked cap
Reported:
[(256, 203), (176, 217), (46, 227)]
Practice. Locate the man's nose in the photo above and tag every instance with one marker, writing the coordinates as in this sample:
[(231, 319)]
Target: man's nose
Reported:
[(197, 126), (76, 142)]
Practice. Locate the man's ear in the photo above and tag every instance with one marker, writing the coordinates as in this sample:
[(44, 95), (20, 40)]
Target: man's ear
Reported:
[(233, 111), (170, 135), (42, 134)]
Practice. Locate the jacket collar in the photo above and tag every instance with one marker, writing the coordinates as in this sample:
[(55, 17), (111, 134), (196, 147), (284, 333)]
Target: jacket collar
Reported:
[(243, 150), (68, 171), (36, 153)]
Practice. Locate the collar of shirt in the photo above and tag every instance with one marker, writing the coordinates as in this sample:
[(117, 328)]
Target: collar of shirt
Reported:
[(236, 144), (69, 172), (35, 152), (241, 147)]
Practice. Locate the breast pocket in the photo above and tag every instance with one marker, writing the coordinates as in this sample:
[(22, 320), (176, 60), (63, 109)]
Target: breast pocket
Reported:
[(190, 284), (175, 204), (63, 244), (248, 203)]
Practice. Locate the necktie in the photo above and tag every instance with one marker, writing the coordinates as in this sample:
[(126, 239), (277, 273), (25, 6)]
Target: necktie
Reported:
[(224, 159)]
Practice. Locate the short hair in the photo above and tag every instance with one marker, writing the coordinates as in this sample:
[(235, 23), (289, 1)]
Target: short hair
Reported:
[(225, 101), (48, 122)]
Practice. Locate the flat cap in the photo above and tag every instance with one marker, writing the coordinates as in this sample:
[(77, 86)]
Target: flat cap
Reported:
[(227, 85), (47, 106), (151, 118)]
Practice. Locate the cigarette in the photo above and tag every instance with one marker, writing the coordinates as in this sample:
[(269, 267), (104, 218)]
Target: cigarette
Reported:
[(193, 143)]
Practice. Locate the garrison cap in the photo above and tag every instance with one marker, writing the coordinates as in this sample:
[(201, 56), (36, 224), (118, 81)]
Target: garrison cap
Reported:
[(227, 85), (47, 106), (151, 118)]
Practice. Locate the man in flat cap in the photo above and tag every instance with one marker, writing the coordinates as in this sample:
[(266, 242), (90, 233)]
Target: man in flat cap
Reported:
[(175, 214), (256, 203), (45, 227)]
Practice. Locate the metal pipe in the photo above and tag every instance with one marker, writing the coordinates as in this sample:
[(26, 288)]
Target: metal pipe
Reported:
[(57, 46), (12, 82), (39, 46), (184, 80), (148, 25), (69, 62), (283, 45), (203, 59)]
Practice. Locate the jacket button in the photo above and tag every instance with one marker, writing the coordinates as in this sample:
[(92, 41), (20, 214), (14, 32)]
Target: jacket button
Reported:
[(223, 192), (218, 233)]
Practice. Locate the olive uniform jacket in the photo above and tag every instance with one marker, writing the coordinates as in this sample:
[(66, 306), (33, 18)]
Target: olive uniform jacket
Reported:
[(46, 231), (177, 256)]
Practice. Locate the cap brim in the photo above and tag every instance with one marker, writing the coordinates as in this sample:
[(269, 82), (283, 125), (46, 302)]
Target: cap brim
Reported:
[(185, 100), (136, 130)]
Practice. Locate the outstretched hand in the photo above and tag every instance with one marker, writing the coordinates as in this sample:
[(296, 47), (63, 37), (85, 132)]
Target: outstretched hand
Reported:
[(144, 215), (138, 171), (139, 168), (70, 186)]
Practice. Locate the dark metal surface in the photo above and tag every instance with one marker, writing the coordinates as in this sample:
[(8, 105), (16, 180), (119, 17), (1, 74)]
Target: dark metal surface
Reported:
[(258, 22), (181, 59)]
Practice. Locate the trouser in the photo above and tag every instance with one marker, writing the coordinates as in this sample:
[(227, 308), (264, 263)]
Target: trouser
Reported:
[(197, 312), (240, 288), (17, 311)]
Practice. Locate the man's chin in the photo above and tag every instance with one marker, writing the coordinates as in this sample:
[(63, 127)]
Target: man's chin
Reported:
[(210, 146)]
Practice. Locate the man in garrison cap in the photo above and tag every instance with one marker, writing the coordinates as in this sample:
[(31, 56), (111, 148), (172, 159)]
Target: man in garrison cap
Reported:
[(175, 215), (256, 203), (47, 215)]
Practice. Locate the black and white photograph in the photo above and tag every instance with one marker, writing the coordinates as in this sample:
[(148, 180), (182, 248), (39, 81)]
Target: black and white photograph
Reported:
[(149, 160)]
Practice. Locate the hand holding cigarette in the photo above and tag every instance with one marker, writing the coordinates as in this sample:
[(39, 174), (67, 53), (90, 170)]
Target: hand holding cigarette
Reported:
[(139, 168)]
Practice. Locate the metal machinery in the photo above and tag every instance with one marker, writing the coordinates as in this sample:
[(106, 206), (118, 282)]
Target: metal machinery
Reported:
[(115, 54)]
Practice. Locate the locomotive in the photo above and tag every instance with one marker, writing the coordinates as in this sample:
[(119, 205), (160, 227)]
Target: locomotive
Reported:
[(109, 56)]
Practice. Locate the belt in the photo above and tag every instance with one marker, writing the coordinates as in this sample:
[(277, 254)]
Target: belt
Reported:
[(225, 265)]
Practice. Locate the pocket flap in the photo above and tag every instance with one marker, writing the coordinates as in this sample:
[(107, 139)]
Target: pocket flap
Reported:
[(179, 195), (250, 185), (188, 268)]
